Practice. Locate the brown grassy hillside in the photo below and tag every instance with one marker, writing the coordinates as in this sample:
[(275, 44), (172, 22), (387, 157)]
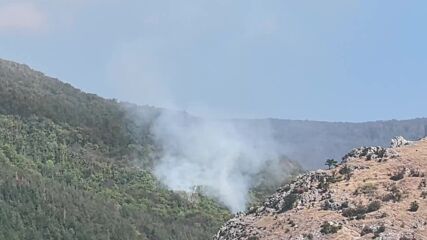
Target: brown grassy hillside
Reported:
[(376, 193)]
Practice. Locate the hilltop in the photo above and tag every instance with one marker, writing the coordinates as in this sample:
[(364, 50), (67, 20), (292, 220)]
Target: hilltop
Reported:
[(374, 193)]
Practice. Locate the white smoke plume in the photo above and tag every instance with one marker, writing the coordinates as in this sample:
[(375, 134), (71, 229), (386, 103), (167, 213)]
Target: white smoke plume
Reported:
[(216, 155), (222, 157)]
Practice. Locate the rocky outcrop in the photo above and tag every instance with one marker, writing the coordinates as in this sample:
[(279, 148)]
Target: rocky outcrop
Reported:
[(359, 199), (400, 142), (370, 153), (298, 194), (377, 153), (237, 228)]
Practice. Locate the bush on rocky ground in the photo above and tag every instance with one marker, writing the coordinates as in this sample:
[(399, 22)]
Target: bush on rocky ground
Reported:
[(330, 227)]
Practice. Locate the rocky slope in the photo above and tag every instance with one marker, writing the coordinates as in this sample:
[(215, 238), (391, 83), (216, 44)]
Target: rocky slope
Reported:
[(375, 193)]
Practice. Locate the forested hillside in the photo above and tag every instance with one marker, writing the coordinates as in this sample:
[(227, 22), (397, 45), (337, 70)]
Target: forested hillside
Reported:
[(67, 171), (55, 182), (26, 92)]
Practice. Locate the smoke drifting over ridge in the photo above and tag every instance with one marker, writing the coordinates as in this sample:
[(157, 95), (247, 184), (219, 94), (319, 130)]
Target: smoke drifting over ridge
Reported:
[(222, 158)]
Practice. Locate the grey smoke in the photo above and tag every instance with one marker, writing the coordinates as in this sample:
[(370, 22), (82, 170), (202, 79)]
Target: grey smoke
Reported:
[(221, 157), (216, 155)]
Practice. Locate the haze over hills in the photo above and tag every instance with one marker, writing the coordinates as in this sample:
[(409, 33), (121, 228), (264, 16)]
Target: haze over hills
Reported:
[(308, 142), (70, 157), (311, 142)]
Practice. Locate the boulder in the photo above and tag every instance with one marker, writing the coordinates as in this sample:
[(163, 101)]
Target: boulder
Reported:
[(399, 142)]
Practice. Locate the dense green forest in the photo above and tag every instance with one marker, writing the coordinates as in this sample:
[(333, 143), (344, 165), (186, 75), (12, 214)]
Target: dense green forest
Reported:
[(25, 92), (55, 182), (68, 171)]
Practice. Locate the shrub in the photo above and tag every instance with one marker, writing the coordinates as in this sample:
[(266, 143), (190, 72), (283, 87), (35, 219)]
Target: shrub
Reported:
[(344, 205), (398, 175), (308, 236), (379, 230), (414, 206), (373, 206), (395, 194), (422, 184), (323, 185), (355, 213), (330, 204), (329, 228), (366, 230), (360, 211), (367, 189), (289, 202), (376, 230), (346, 171), (331, 163), (416, 173)]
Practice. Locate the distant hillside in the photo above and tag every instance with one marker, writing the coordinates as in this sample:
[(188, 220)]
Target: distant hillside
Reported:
[(312, 142), (376, 193)]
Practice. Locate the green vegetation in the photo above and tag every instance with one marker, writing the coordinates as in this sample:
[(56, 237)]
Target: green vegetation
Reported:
[(76, 166), (373, 206), (329, 228), (368, 189), (360, 211), (376, 230), (267, 186), (416, 173), (414, 206), (289, 202), (331, 163), (394, 195), (346, 171), (398, 175), (56, 183)]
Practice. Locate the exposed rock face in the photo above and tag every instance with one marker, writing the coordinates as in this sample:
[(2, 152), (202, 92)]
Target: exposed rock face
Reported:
[(370, 153), (378, 153), (359, 199), (399, 142)]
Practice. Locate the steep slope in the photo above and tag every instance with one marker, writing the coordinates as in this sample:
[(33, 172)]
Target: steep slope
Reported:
[(68, 169), (374, 192), (26, 92), (57, 184)]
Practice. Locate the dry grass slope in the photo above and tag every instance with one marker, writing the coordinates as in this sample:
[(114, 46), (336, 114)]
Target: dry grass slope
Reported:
[(364, 198)]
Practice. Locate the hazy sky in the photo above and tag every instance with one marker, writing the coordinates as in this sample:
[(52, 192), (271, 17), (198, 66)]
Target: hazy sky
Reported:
[(321, 60)]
